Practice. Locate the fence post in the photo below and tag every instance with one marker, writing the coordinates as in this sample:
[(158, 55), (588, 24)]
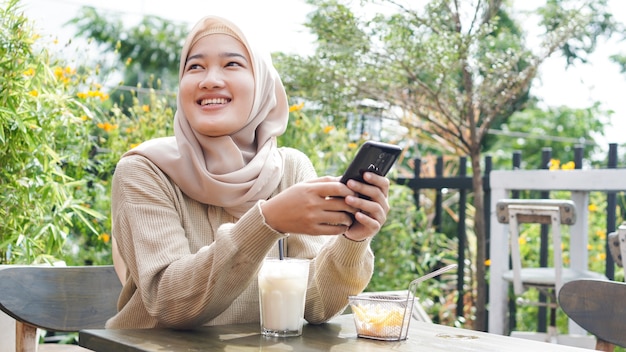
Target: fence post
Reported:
[(438, 197), (417, 169), (542, 326), (611, 218), (516, 165)]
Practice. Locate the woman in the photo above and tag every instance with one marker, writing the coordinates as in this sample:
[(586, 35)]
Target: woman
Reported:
[(194, 215)]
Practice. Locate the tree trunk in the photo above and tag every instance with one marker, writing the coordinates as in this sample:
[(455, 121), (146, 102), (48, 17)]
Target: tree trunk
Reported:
[(481, 243)]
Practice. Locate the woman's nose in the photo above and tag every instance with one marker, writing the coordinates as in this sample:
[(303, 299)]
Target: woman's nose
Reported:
[(212, 79)]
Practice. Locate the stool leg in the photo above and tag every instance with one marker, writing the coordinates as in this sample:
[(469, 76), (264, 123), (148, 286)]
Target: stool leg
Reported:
[(25, 337), (602, 345), (552, 330)]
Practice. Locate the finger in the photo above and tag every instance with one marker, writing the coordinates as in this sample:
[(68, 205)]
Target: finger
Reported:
[(338, 218), (331, 229), (373, 193), (335, 204), (376, 180), (324, 179), (369, 208)]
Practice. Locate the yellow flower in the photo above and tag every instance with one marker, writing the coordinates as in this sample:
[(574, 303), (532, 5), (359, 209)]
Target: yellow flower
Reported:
[(29, 72), (104, 237), (134, 145), (352, 145), (522, 240), (570, 165), (592, 208), (34, 93), (106, 126), (488, 262), (58, 72), (93, 94), (145, 108), (129, 61), (555, 164), (327, 129), (296, 107)]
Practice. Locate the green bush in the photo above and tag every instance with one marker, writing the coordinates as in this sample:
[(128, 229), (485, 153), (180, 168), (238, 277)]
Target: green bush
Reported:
[(41, 134)]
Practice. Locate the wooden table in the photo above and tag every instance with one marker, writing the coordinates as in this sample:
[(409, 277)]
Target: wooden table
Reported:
[(337, 335)]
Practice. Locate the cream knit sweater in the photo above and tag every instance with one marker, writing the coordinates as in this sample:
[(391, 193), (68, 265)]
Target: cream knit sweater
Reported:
[(191, 264)]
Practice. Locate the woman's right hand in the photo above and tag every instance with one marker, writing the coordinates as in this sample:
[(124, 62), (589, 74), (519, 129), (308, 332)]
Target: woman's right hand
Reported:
[(315, 207)]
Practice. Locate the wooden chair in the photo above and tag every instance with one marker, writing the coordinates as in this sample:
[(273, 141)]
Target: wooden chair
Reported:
[(57, 298), (598, 307), (547, 280)]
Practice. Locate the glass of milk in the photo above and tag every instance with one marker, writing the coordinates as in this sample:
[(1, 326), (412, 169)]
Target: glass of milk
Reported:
[(282, 294)]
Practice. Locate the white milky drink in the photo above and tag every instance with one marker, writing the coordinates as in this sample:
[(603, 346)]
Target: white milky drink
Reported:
[(282, 294)]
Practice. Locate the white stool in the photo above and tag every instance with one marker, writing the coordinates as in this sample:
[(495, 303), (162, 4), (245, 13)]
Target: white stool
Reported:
[(547, 280)]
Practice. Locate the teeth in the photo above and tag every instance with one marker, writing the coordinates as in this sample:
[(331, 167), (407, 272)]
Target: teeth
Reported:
[(213, 101)]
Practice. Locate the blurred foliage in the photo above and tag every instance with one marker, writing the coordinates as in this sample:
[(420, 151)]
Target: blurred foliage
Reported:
[(43, 192), (532, 130), (147, 51)]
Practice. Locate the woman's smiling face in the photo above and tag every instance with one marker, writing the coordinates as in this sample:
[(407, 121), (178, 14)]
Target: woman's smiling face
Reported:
[(217, 86)]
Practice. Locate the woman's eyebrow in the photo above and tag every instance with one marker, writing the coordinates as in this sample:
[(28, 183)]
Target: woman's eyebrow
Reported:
[(227, 54), (197, 56), (224, 55)]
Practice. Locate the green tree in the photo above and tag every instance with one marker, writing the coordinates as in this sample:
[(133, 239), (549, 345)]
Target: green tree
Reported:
[(147, 51), (533, 129), (452, 68)]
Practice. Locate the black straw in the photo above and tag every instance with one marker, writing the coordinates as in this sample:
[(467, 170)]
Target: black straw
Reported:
[(281, 255)]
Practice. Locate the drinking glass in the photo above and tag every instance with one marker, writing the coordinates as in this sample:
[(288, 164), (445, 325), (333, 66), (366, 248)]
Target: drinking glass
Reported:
[(282, 294)]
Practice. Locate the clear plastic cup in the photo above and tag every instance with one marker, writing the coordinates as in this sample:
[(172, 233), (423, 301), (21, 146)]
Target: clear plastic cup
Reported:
[(282, 294)]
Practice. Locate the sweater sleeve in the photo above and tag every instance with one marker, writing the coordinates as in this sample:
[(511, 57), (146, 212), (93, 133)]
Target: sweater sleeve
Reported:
[(178, 287)]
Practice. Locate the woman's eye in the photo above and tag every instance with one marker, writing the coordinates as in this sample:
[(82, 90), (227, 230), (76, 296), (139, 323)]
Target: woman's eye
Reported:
[(233, 64), (193, 67)]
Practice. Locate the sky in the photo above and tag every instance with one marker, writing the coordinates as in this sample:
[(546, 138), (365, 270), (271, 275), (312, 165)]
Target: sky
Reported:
[(278, 25)]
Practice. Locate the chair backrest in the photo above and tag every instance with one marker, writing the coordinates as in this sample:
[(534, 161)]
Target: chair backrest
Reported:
[(598, 307), (58, 298), (540, 211)]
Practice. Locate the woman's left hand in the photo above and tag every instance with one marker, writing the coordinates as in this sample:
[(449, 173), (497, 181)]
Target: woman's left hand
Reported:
[(372, 212)]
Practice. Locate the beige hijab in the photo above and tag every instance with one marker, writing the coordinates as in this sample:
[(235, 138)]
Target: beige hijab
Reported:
[(234, 171)]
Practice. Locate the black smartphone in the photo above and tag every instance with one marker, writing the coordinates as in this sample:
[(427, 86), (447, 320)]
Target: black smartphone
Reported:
[(372, 156)]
